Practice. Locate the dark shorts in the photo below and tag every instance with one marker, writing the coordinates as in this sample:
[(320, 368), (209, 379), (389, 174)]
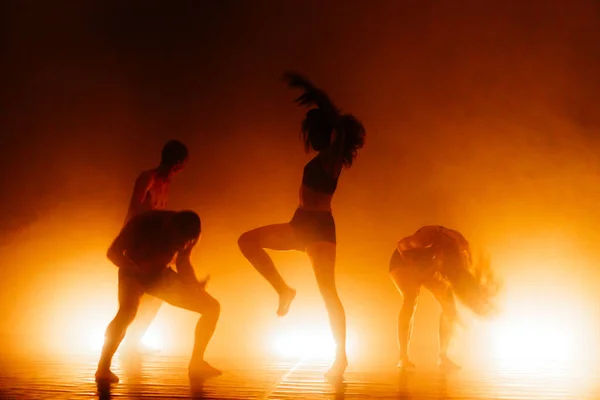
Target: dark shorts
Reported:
[(313, 226)]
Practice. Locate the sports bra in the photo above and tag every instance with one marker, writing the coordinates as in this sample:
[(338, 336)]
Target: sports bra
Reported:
[(316, 178)]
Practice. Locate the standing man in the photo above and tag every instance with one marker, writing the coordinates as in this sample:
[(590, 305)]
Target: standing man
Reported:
[(151, 192)]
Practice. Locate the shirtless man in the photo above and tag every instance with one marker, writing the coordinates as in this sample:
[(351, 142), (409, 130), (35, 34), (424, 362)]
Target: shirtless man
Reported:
[(439, 259), (151, 192), (143, 251)]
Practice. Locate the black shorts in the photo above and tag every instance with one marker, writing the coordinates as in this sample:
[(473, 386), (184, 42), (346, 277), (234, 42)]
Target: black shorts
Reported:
[(313, 226)]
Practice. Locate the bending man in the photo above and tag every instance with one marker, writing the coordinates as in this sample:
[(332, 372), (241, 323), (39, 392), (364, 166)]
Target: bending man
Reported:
[(142, 252)]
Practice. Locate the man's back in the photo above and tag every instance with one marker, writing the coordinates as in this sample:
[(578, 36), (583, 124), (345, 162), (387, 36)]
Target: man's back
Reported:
[(151, 192)]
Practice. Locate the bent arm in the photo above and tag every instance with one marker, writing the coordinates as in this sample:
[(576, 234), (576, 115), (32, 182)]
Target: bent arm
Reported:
[(422, 239), (116, 253), (418, 248)]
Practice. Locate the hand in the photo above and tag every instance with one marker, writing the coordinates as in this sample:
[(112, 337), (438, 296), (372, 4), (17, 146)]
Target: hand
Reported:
[(203, 282), (308, 98)]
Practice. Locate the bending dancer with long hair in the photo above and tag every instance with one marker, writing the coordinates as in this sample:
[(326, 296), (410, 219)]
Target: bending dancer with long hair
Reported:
[(336, 138), (439, 259)]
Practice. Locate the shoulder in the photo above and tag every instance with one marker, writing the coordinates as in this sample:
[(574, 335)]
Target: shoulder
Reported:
[(146, 177), (428, 230), (427, 234)]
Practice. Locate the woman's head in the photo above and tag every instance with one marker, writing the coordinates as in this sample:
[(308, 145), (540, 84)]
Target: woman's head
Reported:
[(318, 131)]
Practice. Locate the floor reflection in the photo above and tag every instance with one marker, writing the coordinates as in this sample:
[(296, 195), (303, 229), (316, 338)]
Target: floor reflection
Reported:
[(166, 377)]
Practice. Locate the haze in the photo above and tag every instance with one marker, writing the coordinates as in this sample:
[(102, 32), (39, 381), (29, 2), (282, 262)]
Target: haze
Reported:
[(480, 116)]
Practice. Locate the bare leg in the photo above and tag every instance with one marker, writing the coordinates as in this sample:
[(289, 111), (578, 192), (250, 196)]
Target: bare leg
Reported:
[(193, 298), (409, 287), (322, 256), (448, 318), (130, 292), (149, 307), (275, 237)]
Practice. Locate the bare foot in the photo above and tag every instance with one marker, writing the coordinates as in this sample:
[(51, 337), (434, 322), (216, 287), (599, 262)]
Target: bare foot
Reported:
[(285, 300), (203, 371), (405, 363), (447, 365), (106, 377), (338, 368)]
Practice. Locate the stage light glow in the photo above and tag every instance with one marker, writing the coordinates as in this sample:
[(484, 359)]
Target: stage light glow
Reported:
[(539, 336), (96, 341), (152, 339), (313, 342)]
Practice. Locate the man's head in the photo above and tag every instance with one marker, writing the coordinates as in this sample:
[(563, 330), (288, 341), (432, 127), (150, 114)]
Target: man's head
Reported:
[(187, 226), (174, 156)]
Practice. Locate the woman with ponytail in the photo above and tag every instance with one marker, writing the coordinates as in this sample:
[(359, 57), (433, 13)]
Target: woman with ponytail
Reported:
[(335, 138)]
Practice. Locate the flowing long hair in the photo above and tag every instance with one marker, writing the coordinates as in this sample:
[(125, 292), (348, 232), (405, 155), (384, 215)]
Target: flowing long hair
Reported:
[(474, 282)]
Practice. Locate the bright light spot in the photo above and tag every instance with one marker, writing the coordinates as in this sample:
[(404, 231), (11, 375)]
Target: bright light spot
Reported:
[(314, 343), (546, 337), (96, 341), (151, 339)]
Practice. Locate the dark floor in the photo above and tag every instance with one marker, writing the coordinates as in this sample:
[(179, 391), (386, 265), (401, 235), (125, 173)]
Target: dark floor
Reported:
[(166, 378)]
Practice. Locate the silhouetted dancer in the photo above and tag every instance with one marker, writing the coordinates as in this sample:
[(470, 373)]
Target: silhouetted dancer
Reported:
[(143, 251), (440, 260), (336, 138), (151, 192)]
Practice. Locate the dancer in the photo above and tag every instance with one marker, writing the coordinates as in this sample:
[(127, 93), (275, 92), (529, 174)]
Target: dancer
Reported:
[(151, 192), (440, 260), (336, 138), (142, 252)]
